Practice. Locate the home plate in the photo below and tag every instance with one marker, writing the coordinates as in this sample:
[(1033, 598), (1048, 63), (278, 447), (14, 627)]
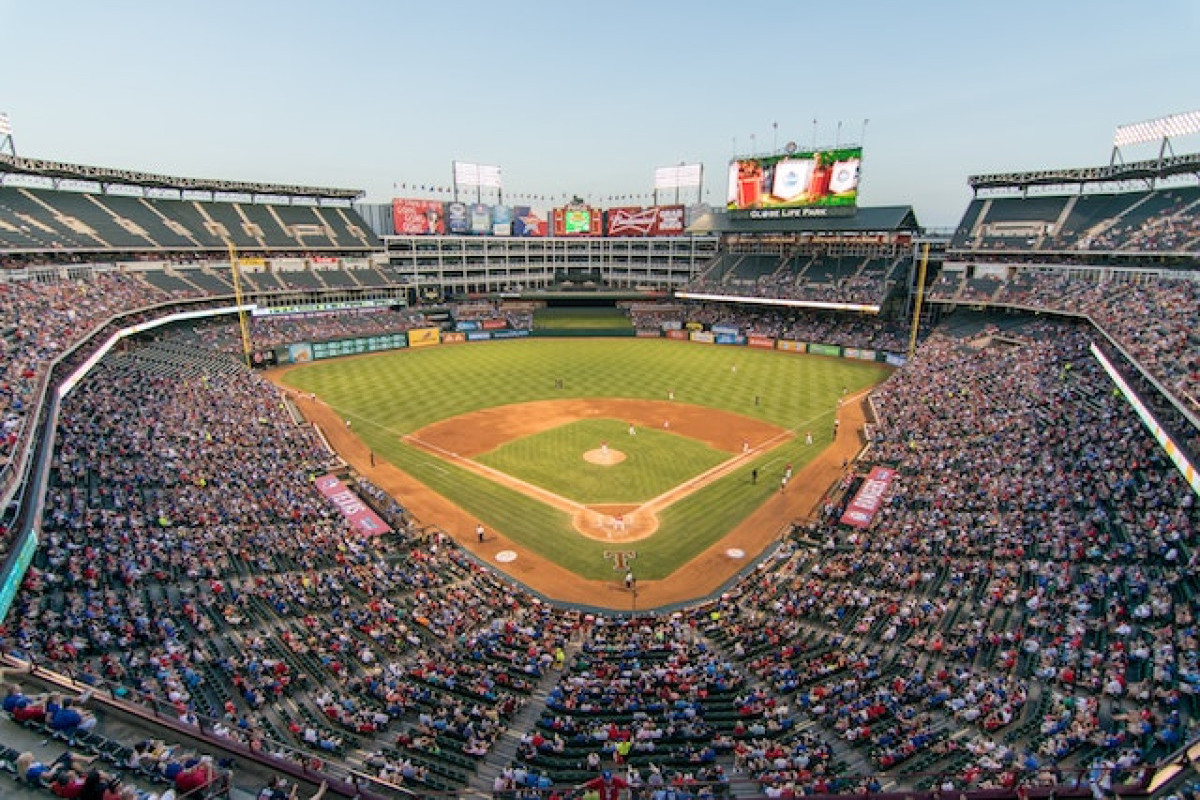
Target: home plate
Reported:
[(735, 552), (506, 556)]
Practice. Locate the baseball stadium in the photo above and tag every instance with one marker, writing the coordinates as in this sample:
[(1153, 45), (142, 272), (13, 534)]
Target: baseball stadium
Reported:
[(454, 497)]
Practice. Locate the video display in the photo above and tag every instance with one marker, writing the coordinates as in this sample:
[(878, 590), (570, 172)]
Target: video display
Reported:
[(824, 181)]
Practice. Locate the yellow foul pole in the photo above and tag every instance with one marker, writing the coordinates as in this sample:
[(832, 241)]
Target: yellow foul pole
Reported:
[(916, 322), (243, 322)]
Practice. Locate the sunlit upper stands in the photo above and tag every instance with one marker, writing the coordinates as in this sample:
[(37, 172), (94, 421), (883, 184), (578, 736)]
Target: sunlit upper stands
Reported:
[(1162, 221), (43, 219), (60, 207)]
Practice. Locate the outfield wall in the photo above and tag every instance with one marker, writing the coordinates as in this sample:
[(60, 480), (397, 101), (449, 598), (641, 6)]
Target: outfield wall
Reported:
[(305, 352)]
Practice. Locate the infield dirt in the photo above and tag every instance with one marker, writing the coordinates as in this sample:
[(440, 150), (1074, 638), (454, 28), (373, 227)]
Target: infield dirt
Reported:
[(702, 575)]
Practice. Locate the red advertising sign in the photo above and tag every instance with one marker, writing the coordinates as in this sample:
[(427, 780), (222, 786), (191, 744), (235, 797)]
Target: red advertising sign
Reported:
[(677, 334), (493, 324), (868, 498), (654, 221), (765, 342), (411, 217), (357, 513)]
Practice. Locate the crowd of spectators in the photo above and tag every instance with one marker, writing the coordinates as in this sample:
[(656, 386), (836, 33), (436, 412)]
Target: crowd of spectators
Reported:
[(1159, 221), (818, 278), (796, 324), (1153, 321), (41, 320), (275, 330), (514, 314), (1030, 579)]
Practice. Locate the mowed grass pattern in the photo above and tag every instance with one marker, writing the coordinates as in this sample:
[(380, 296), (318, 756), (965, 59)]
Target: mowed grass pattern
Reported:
[(391, 394), (655, 461)]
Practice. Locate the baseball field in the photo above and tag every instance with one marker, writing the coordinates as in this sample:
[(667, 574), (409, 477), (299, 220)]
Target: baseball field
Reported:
[(566, 450)]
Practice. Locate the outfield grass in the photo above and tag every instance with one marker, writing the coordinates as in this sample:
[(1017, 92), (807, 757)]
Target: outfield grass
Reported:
[(391, 394), (655, 461), (565, 319)]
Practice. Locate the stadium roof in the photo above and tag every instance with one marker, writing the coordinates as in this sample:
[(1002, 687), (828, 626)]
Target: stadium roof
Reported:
[(58, 170), (1134, 170), (868, 219)]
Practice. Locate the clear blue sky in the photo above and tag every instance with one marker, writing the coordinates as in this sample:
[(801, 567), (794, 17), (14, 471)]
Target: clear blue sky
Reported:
[(588, 98)]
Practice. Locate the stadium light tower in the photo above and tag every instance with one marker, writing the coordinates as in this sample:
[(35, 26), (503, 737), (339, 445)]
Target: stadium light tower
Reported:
[(1159, 130), (7, 145)]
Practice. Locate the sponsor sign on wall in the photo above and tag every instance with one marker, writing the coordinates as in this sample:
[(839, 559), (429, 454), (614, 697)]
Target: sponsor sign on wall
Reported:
[(423, 337), (357, 513), (653, 221), (869, 497), (412, 217)]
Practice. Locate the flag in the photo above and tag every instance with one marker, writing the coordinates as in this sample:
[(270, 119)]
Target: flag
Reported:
[(844, 177), (5, 125), (791, 178)]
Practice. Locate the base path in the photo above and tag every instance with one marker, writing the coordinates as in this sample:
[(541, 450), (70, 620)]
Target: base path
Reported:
[(481, 431), (702, 575)]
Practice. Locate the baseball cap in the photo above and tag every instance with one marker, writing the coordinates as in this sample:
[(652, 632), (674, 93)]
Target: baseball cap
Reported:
[(606, 774)]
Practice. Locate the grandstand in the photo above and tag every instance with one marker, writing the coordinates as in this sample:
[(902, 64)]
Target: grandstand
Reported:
[(856, 263), (1018, 621)]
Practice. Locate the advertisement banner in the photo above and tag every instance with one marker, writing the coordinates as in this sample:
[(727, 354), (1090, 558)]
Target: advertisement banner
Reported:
[(730, 338), (458, 219), (790, 346), (466, 325), (703, 336), (694, 326), (502, 221), (671, 325), (300, 353), (453, 337), (412, 217), (802, 181), (725, 330), (357, 513), (517, 333), (264, 358), (860, 353), (493, 324), (765, 342), (478, 336), (526, 223), (653, 221), (896, 360), (825, 350), (423, 337), (481, 219), (642, 333), (16, 574), (868, 498), (677, 334)]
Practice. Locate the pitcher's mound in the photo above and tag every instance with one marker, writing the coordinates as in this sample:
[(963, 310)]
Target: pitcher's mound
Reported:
[(603, 457)]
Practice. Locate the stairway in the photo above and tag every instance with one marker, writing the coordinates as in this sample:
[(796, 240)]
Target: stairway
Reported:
[(504, 752)]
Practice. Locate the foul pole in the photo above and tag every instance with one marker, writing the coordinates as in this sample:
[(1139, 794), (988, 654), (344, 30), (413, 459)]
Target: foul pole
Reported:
[(916, 321), (237, 294)]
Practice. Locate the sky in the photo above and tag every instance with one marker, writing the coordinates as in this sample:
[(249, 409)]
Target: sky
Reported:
[(589, 98)]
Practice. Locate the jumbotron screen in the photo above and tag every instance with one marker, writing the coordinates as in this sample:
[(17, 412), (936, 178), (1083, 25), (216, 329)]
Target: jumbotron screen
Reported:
[(814, 183)]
